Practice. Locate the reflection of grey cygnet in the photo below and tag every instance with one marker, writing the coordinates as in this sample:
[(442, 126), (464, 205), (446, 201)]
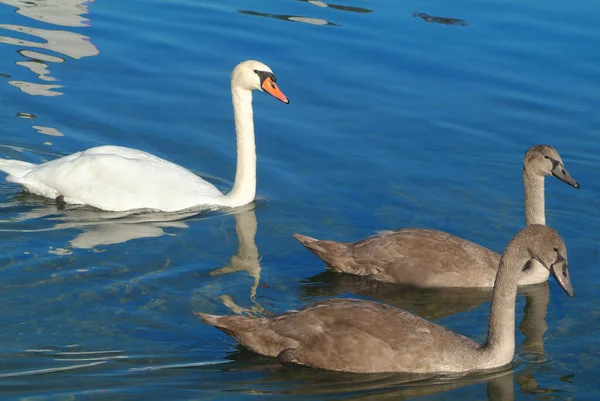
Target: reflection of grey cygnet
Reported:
[(367, 337), (430, 258), (246, 259)]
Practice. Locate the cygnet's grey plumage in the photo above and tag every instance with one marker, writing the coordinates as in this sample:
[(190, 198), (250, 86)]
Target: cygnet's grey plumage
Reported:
[(430, 258), (368, 337)]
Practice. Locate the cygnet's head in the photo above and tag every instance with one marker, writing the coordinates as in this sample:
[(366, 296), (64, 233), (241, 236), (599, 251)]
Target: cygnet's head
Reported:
[(546, 246), (544, 160), (254, 75)]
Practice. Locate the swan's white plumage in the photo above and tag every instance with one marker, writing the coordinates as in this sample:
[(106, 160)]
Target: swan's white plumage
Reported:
[(116, 178)]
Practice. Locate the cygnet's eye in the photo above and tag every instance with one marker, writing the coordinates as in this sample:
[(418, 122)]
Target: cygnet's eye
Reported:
[(555, 249), (546, 157)]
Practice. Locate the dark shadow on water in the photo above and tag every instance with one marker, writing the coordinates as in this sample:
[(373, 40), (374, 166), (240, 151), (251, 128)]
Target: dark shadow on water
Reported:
[(428, 303), (301, 380), (293, 379), (440, 20)]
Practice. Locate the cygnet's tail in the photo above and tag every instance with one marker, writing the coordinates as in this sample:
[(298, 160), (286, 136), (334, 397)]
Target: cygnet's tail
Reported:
[(15, 168), (335, 254), (252, 332)]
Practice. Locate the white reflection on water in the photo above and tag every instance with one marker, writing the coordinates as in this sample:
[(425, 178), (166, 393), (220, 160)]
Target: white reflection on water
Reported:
[(36, 89), (73, 45), (103, 228), (246, 259), (57, 12), (68, 43), (47, 130), (66, 13), (37, 67)]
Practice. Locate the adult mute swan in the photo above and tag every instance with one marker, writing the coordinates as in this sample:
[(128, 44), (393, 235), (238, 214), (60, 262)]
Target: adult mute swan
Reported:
[(426, 258), (360, 336), (116, 178)]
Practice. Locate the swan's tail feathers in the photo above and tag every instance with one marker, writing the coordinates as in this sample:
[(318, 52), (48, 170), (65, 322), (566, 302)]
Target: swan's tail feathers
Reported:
[(336, 255), (15, 168)]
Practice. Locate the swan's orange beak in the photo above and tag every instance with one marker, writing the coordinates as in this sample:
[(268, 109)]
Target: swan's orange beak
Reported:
[(272, 89)]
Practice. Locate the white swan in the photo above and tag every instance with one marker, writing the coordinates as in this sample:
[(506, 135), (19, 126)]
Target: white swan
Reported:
[(116, 178)]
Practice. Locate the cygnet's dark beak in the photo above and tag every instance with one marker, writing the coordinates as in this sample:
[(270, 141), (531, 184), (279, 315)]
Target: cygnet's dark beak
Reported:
[(560, 172), (560, 271)]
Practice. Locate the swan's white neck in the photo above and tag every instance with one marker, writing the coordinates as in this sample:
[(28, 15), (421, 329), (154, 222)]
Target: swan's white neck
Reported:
[(535, 212), (244, 187)]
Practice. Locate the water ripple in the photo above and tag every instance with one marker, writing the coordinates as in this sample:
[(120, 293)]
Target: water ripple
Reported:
[(50, 370)]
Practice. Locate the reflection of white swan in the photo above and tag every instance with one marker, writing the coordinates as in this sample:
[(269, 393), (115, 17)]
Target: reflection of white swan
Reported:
[(246, 259), (104, 228), (116, 233), (118, 178), (57, 12)]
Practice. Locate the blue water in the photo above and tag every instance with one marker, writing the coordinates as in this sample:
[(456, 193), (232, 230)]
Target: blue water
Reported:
[(412, 113)]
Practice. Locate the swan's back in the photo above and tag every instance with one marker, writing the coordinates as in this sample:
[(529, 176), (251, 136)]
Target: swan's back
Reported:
[(118, 178)]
